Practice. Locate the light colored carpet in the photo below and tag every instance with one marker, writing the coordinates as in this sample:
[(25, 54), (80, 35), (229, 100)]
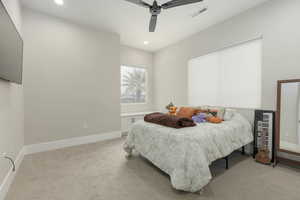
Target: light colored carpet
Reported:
[(100, 171)]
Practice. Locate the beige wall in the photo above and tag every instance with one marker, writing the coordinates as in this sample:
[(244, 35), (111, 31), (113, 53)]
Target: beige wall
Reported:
[(136, 57), (71, 79), (277, 21), (11, 107)]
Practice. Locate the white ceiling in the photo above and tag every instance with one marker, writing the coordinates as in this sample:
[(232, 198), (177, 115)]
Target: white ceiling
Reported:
[(132, 21)]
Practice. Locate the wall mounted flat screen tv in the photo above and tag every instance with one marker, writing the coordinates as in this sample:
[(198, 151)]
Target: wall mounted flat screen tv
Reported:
[(11, 49)]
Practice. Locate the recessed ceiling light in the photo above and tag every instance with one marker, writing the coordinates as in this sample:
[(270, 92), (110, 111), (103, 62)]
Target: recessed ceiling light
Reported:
[(59, 2), (146, 42)]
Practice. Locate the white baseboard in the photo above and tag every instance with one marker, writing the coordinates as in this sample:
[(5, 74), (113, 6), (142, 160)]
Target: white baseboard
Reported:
[(4, 187), (48, 146)]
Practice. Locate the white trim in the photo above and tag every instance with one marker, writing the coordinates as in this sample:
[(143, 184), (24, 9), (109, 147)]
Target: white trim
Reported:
[(48, 146), (4, 187)]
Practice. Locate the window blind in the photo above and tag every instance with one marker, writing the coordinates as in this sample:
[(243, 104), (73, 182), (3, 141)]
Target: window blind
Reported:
[(230, 77)]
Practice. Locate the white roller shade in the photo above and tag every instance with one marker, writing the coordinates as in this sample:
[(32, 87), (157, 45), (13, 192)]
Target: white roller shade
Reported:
[(230, 77)]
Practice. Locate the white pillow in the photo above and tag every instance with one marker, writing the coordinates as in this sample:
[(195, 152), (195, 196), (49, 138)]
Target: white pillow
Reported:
[(229, 113)]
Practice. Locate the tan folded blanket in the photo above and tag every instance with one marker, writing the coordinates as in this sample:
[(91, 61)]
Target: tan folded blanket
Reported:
[(169, 120)]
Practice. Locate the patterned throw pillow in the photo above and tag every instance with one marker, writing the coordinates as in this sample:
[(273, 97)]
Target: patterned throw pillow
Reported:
[(220, 111), (212, 110)]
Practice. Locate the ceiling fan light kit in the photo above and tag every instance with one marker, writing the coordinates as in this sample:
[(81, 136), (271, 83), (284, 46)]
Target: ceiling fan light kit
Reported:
[(155, 9)]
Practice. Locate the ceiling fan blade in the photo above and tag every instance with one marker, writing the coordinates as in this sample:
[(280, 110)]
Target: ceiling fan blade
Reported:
[(199, 12), (153, 21), (175, 3), (140, 3)]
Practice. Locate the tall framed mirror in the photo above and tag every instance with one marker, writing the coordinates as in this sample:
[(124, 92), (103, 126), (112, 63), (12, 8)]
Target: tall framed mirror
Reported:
[(288, 117)]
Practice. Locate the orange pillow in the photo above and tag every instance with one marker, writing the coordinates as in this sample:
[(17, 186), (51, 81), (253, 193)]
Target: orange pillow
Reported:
[(215, 120), (198, 111), (187, 112)]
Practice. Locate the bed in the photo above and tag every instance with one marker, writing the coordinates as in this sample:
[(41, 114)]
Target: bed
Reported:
[(185, 154)]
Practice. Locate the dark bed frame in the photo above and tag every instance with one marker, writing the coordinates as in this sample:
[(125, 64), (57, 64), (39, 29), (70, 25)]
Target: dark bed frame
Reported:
[(227, 158)]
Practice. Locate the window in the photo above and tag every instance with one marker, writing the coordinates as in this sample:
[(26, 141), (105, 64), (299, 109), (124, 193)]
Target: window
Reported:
[(230, 77), (133, 84)]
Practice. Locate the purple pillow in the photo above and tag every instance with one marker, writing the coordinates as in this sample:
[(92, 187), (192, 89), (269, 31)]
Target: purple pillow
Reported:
[(200, 118)]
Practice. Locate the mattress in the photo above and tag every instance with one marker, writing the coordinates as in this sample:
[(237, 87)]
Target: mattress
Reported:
[(185, 154)]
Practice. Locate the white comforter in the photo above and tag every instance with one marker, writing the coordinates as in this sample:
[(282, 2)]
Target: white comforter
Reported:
[(185, 154)]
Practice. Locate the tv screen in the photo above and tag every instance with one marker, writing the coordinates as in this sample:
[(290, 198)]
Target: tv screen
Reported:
[(11, 49)]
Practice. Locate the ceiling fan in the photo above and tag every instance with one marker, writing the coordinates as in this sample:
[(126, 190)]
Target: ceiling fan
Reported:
[(155, 9)]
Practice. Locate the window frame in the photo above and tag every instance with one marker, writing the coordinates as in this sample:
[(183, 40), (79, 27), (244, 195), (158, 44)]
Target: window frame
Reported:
[(146, 84)]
